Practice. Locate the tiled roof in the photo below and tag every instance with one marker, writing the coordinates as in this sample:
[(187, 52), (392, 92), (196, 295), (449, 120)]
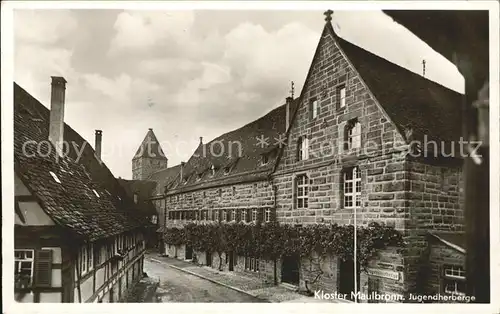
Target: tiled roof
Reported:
[(233, 162), (143, 189), (150, 147), (164, 177), (88, 200), (411, 101), (455, 240)]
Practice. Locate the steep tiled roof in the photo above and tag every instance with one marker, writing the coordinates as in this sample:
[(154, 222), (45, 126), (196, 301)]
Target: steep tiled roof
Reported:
[(150, 147), (236, 156), (164, 177), (411, 101), (88, 200), (143, 189), (454, 240)]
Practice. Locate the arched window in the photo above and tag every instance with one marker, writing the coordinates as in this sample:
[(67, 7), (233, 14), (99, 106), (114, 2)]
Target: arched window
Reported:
[(352, 187)]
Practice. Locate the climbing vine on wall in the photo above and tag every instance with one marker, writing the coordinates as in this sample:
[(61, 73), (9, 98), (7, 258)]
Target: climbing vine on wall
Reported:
[(273, 240)]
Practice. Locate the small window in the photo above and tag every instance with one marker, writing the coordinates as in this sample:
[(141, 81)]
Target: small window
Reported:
[(23, 268), (135, 198), (254, 215), (454, 280), (314, 109), (54, 176), (341, 95), (204, 194), (244, 215), (352, 187), (267, 215), (198, 177), (83, 260), (301, 191), (233, 215), (234, 190), (352, 135), (264, 159), (302, 148), (255, 188), (227, 170), (216, 215), (224, 215), (220, 192)]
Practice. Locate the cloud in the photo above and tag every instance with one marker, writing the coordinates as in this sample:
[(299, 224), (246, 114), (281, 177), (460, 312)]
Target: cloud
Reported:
[(137, 31)]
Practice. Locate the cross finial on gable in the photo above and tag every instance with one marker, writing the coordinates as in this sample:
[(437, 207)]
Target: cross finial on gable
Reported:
[(328, 15)]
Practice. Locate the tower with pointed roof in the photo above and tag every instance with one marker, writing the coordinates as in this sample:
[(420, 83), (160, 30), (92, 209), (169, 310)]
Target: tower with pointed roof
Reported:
[(149, 157)]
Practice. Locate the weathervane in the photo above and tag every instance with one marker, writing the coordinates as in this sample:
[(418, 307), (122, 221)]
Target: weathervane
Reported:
[(292, 90), (328, 15)]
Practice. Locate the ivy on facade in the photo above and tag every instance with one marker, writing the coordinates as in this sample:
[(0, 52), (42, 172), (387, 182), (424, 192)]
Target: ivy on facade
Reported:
[(273, 240)]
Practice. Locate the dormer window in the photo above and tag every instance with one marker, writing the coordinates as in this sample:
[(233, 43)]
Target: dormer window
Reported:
[(54, 176), (264, 159), (227, 170), (198, 177)]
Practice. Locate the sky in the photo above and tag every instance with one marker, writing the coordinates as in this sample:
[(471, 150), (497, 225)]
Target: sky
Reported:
[(188, 74)]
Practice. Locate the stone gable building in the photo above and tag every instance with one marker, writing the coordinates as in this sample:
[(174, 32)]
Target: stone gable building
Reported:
[(365, 137)]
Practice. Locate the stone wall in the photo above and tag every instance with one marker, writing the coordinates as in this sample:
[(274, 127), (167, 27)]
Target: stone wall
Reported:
[(435, 200), (143, 167)]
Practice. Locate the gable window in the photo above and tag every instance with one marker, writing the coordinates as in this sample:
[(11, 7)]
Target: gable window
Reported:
[(352, 135), (254, 215), (352, 187), (341, 95), (313, 109), (23, 268), (267, 215), (301, 191), (302, 148), (454, 280)]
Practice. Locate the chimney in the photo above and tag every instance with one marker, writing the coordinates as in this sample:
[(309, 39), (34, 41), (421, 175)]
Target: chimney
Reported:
[(287, 109), (182, 170), (56, 128), (201, 140), (98, 143)]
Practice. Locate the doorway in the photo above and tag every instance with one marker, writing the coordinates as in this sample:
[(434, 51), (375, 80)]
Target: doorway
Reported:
[(290, 272), (346, 278), (189, 252), (209, 258)]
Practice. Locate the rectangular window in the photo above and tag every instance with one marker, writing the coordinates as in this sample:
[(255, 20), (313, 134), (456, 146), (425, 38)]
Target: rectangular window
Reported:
[(341, 96), (23, 268), (314, 110), (244, 215), (83, 259), (90, 259), (233, 215), (216, 215), (224, 215), (352, 187), (303, 148), (454, 280), (353, 135), (254, 215), (301, 191), (252, 264), (267, 215)]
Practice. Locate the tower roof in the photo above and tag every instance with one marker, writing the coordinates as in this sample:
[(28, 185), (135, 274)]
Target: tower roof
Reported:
[(150, 147)]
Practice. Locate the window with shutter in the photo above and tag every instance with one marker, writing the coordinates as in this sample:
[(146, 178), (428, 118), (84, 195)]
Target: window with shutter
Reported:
[(23, 268), (43, 268)]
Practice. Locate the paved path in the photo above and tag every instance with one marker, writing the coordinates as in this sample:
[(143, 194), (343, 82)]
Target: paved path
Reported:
[(177, 286)]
